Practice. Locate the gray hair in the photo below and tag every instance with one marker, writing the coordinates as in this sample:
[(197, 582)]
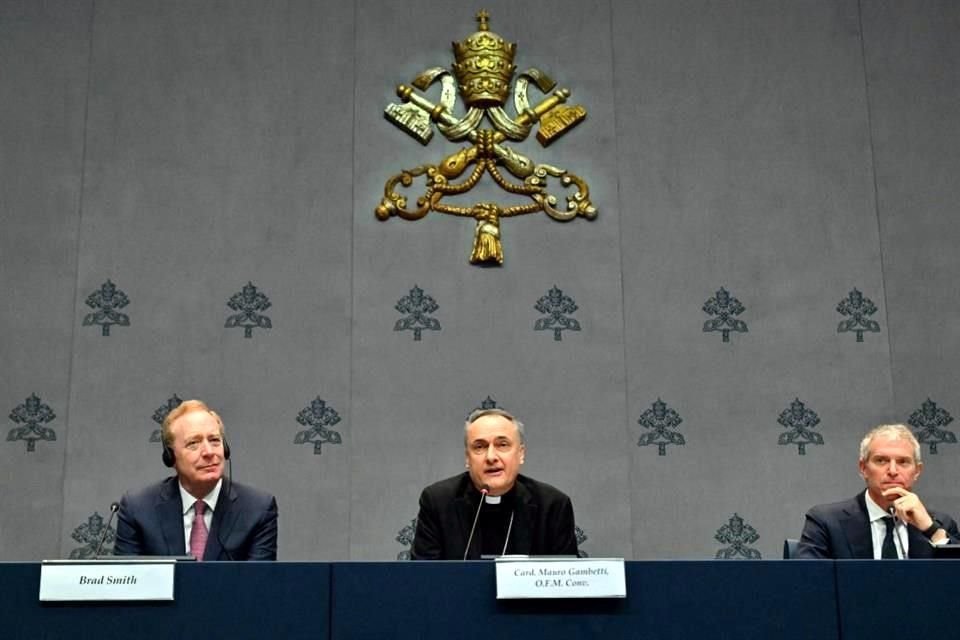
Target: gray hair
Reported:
[(182, 409), (892, 432), (476, 414)]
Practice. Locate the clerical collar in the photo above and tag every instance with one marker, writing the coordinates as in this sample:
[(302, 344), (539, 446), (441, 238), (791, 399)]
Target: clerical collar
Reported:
[(504, 501)]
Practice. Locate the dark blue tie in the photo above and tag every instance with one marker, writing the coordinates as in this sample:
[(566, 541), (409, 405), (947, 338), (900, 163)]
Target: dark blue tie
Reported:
[(889, 550)]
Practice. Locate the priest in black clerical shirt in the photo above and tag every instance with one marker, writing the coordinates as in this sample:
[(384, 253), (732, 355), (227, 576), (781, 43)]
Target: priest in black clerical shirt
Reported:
[(519, 515)]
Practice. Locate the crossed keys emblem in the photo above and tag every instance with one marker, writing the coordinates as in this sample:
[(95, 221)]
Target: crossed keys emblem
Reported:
[(482, 75)]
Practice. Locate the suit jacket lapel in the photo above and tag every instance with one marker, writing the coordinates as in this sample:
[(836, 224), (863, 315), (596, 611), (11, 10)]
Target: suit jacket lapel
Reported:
[(856, 527), (224, 519), (170, 514), (465, 513)]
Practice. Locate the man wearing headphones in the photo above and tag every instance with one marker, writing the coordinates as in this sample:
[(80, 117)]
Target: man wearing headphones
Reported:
[(196, 512)]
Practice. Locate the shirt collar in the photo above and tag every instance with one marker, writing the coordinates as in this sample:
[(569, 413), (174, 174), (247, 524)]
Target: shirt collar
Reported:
[(874, 511), (504, 501), (187, 500)]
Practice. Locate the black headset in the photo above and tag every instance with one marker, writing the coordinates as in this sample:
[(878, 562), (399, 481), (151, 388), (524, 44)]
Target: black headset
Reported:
[(169, 458)]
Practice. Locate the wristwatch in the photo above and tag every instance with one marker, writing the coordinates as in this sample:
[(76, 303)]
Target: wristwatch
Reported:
[(932, 529)]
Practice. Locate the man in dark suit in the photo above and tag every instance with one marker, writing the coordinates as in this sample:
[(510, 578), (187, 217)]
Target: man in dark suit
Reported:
[(887, 520), (519, 515), (195, 511)]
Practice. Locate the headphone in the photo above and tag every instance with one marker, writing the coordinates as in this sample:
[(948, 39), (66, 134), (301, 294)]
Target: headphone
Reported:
[(169, 458)]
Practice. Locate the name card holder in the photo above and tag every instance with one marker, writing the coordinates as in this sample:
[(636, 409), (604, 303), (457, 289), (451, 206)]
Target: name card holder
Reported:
[(106, 580), (560, 578)]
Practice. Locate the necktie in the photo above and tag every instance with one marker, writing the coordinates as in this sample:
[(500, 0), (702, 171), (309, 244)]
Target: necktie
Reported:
[(889, 550), (198, 533)]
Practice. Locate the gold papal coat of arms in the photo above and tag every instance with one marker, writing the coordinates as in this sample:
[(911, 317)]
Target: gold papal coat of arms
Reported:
[(482, 76)]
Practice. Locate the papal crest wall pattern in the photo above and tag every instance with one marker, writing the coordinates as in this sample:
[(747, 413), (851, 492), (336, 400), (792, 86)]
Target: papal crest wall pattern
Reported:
[(186, 192)]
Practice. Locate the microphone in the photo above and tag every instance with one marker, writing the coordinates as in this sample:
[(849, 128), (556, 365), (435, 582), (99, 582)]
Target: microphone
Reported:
[(893, 513), (484, 490), (103, 536)]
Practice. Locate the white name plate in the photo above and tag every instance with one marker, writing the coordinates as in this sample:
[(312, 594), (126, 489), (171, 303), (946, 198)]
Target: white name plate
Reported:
[(86, 580), (560, 578)]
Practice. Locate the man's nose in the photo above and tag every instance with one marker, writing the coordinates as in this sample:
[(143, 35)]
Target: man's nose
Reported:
[(491, 452)]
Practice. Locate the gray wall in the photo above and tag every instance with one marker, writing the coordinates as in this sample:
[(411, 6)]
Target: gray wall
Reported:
[(787, 151)]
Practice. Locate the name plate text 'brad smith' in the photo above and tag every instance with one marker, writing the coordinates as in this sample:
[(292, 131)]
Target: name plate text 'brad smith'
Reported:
[(65, 581), (560, 578)]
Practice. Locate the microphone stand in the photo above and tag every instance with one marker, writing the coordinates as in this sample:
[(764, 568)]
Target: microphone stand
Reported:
[(103, 536), (484, 490)]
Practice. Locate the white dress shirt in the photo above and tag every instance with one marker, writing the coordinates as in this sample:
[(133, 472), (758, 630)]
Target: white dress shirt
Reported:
[(188, 511), (878, 529)]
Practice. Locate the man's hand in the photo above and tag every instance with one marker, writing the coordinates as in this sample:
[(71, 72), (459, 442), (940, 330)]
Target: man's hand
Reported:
[(910, 509)]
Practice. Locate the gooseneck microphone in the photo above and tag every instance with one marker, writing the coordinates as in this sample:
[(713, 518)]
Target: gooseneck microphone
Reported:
[(896, 532), (103, 536), (484, 490)]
